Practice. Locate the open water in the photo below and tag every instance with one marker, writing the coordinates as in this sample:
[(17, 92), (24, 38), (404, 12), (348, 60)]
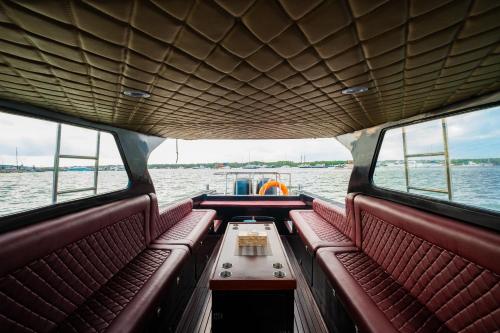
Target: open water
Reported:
[(477, 186)]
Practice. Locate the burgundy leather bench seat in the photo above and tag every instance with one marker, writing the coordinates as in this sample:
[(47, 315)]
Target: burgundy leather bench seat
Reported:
[(326, 225), (180, 224), (91, 271), (416, 272)]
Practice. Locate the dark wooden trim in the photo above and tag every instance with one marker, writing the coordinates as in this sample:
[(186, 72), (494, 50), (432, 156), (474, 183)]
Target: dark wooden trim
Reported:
[(307, 316)]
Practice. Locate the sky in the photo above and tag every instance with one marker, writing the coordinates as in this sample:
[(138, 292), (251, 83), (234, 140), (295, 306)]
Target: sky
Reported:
[(196, 151), (471, 135), (35, 140)]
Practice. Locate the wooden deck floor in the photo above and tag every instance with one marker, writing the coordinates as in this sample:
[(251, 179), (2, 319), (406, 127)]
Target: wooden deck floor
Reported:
[(197, 317)]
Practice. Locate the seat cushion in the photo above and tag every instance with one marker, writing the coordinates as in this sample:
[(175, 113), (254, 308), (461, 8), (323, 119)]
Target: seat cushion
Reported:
[(190, 230), (445, 264), (138, 285), (163, 220), (416, 272), (316, 232), (336, 216), (49, 269), (362, 308), (403, 310)]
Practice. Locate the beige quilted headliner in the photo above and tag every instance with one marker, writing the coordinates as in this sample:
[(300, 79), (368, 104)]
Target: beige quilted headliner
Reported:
[(248, 69)]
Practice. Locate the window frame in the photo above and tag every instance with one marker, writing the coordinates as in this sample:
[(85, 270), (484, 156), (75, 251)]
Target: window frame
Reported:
[(120, 151), (470, 214), (37, 214)]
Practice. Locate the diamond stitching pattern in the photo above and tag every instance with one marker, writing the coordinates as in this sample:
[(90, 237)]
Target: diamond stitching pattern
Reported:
[(336, 216), (462, 295), (212, 69), (323, 229), (104, 305), (400, 307), (42, 294), (169, 216), (183, 228)]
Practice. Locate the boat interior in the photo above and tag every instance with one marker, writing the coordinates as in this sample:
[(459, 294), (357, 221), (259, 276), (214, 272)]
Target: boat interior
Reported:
[(382, 260)]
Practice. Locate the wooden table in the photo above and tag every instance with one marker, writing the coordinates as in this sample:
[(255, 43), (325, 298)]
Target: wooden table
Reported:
[(252, 288)]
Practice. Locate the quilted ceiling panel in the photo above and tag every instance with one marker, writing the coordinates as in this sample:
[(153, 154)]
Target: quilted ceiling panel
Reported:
[(248, 68)]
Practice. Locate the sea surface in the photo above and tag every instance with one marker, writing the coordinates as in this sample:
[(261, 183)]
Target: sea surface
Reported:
[(476, 186)]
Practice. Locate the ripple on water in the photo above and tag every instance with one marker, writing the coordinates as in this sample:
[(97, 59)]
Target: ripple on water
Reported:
[(478, 186)]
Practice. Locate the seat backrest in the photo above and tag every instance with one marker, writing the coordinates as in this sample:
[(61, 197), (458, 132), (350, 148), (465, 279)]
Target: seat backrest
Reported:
[(47, 270), (336, 216), (163, 220), (449, 266)]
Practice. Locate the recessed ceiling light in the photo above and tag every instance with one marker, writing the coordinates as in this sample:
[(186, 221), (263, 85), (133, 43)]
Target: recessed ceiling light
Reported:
[(136, 93), (354, 90)]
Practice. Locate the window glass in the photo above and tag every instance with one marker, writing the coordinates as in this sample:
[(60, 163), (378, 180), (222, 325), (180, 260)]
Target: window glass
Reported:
[(27, 161), (455, 158), (78, 141), (112, 174)]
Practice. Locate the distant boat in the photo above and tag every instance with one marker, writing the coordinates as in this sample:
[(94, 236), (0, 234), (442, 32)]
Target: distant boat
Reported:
[(312, 166), (337, 166), (250, 166), (221, 166)]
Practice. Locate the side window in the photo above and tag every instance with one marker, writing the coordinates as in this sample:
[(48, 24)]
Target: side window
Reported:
[(43, 162), (455, 158)]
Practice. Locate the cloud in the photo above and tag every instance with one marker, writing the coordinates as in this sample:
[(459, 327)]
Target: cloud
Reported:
[(470, 135), (35, 141), (200, 151), (32, 137), (392, 146)]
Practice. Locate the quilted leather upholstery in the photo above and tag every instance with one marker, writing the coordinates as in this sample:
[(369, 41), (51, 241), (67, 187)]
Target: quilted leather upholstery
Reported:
[(334, 215), (98, 311), (323, 229), (417, 271), (82, 271), (323, 226), (179, 224), (213, 67), (403, 310), (169, 216), (190, 230), (183, 228), (42, 294), (349, 208), (442, 281)]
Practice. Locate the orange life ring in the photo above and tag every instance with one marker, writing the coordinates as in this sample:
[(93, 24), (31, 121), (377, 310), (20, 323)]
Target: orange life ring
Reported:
[(273, 183)]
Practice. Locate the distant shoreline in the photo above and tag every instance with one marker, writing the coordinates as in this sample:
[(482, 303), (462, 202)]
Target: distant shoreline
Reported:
[(487, 162)]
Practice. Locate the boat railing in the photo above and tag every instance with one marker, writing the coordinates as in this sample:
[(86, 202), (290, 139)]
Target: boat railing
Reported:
[(231, 177), (444, 153), (57, 156)]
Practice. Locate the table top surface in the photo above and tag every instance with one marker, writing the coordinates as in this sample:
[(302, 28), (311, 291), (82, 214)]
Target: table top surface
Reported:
[(268, 270)]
